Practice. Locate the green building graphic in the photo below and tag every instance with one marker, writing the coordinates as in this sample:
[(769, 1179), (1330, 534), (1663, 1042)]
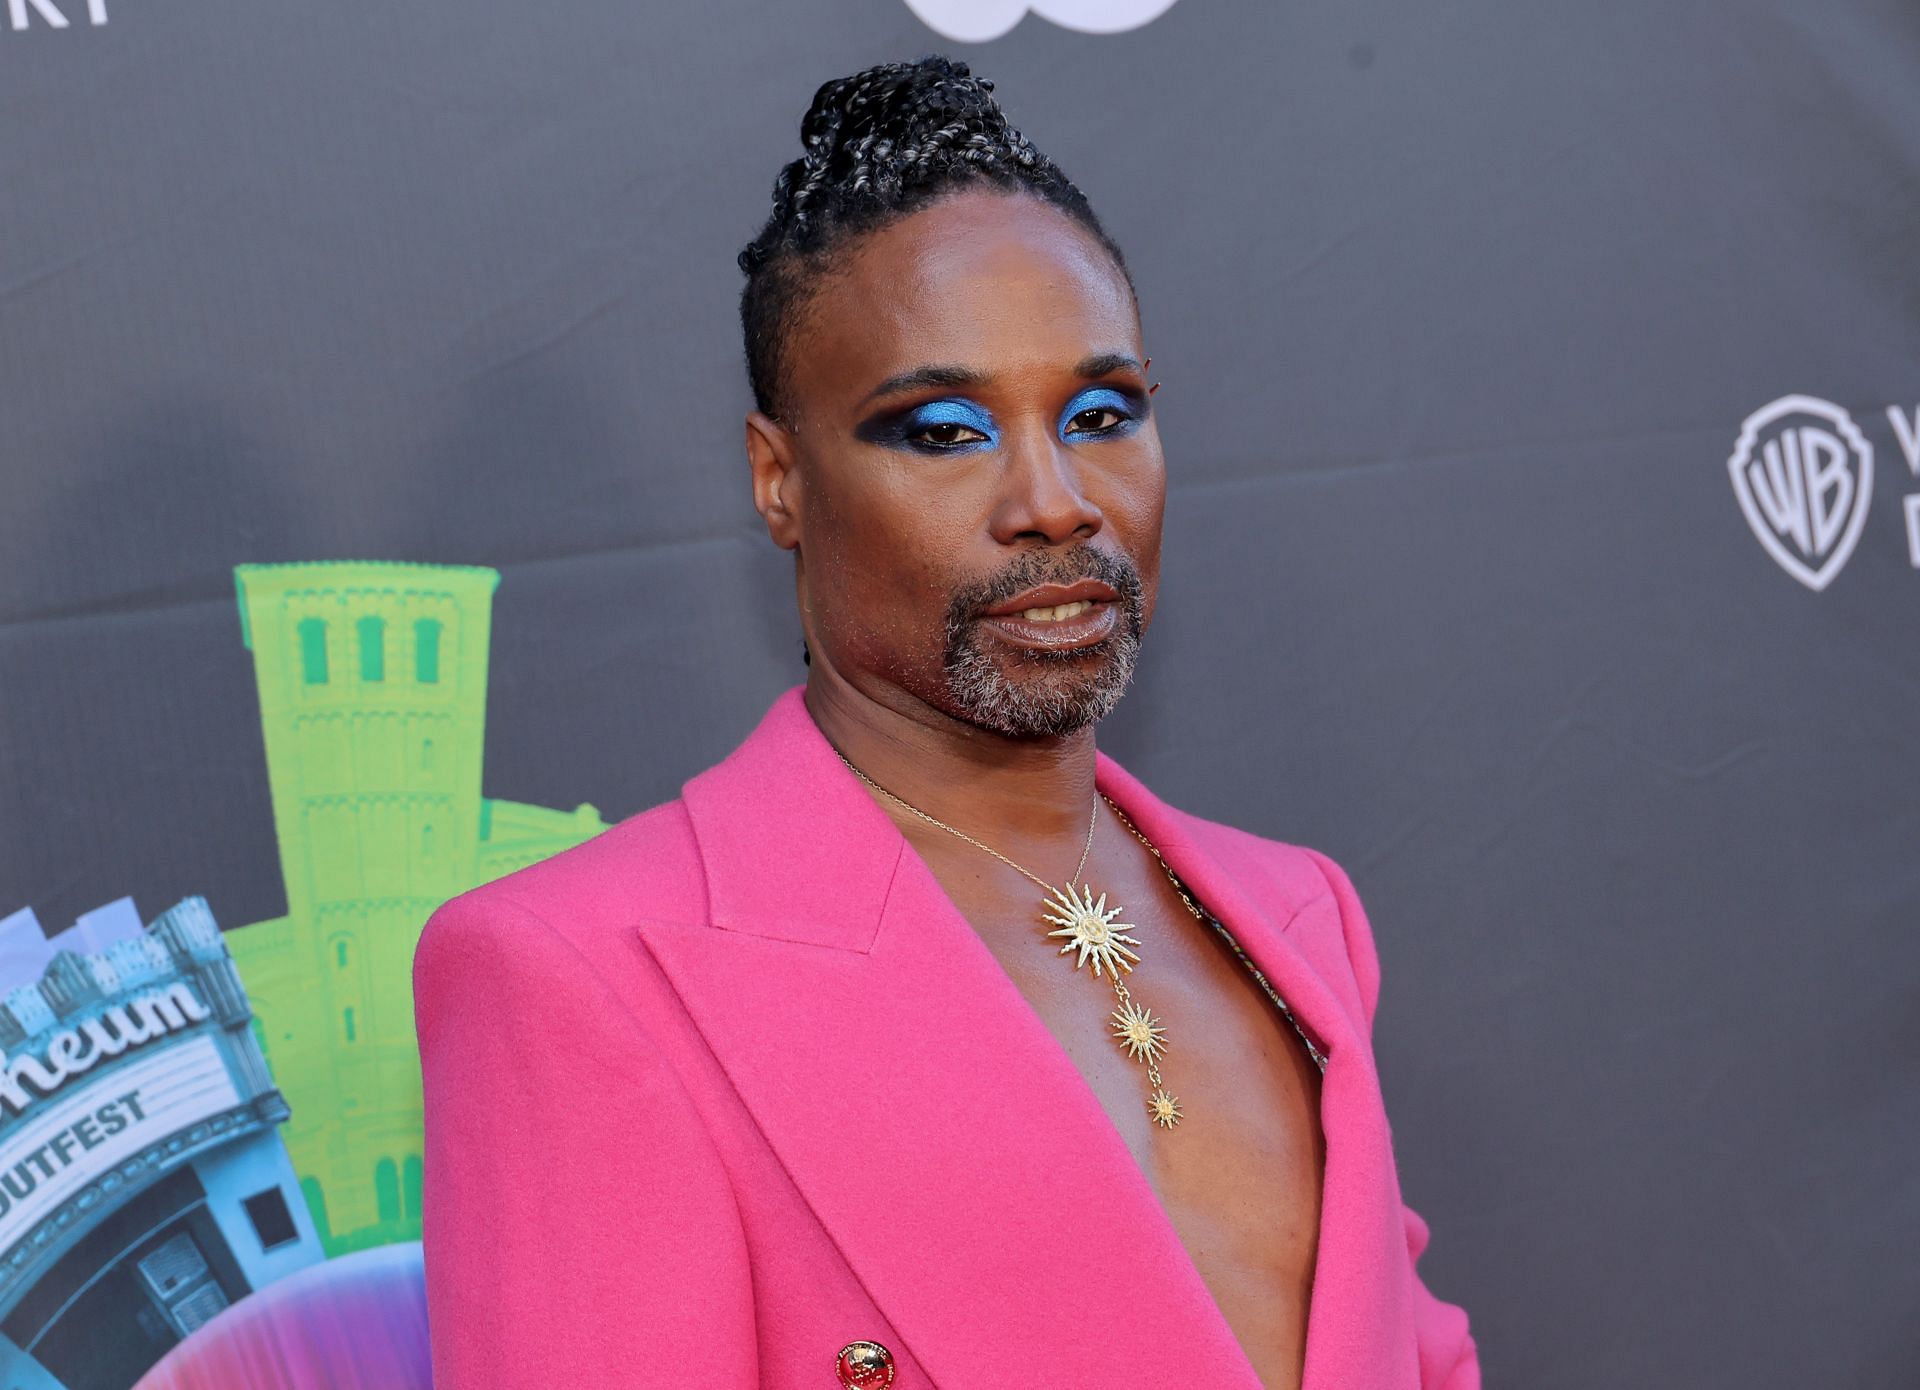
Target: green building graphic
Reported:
[(373, 698)]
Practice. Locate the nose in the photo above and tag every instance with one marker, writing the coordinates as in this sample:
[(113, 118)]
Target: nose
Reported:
[(1042, 495)]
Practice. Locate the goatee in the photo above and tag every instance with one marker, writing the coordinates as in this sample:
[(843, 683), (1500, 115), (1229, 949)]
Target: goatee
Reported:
[(1029, 693)]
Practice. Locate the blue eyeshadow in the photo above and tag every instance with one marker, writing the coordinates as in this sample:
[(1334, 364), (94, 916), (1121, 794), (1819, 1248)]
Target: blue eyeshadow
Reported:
[(1127, 407), (898, 431)]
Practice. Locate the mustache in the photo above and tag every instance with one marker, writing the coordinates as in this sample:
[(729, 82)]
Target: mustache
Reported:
[(1077, 562)]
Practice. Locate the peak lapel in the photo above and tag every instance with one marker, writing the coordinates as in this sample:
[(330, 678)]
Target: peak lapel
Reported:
[(930, 1120), (1359, 1325)]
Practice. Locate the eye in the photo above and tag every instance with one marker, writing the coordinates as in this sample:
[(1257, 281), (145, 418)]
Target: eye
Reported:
[(1090, 421), (1101, 412), (948, 434), (950, 426)]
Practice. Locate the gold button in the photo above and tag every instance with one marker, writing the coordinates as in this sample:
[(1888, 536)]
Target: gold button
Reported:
[(865, 1366)]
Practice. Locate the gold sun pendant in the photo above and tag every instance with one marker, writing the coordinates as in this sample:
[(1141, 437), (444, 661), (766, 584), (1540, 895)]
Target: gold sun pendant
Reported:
[(1089, 928), (1164, 1109), (1140, 1032)]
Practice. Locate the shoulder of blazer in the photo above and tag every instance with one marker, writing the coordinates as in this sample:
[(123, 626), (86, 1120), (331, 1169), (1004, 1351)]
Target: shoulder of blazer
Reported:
[(569, 920), (1314, 899), (644, 867)]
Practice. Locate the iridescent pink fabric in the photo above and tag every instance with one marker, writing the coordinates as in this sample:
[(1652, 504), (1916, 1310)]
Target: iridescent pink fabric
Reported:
[(358, 1322)]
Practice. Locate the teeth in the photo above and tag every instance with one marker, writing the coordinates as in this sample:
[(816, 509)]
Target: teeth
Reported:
[(1058, 613)]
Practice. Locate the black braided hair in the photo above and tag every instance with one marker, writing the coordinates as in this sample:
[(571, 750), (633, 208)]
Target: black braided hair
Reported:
[(880, 144)]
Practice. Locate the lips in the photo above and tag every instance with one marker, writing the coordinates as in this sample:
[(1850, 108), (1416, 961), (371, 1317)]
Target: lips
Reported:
[(1057, 617), (1041, 602)]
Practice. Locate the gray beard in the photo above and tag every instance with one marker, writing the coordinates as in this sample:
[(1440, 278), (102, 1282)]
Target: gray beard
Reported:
[(1045, 694)]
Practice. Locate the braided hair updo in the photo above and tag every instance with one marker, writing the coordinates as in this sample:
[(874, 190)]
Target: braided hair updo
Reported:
[(880, 144)]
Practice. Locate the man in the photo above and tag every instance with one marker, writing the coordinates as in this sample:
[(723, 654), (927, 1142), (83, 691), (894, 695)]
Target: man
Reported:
[(917, 1043)]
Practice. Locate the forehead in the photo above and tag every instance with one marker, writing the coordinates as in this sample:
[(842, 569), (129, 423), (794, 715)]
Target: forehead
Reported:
[(1002, 283)]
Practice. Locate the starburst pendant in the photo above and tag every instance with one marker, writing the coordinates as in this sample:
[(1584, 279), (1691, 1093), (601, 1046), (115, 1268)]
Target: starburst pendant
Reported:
[(1164, 1109), (1140, 1032), (1089, 928)]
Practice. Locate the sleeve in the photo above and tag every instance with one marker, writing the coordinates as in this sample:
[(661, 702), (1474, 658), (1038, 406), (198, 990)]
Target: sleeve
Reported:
[(1449, 1358), (577, 1224)]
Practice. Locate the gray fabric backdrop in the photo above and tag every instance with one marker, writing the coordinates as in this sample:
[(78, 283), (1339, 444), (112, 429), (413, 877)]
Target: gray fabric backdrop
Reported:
[(1460, 310)]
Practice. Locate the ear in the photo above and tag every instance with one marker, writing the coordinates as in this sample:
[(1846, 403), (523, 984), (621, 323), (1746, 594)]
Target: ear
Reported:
[(776, 482)]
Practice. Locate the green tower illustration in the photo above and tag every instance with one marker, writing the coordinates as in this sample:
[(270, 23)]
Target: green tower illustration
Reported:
[(373, 698)]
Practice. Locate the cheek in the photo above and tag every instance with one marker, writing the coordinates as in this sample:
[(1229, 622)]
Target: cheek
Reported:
[(1135, 516), (1137, 510), (883, 557)]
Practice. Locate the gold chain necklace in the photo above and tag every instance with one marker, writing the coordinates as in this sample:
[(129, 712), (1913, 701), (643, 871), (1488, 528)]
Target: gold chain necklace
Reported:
[(1088, 926)]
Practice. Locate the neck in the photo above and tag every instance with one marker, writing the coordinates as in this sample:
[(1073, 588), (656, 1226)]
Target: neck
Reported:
[(1014, 794)]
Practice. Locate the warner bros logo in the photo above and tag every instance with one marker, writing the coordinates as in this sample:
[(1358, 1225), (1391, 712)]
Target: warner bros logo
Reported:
[(1803, 474)]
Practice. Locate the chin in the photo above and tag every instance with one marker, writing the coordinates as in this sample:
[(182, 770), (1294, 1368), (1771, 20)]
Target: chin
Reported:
[(1042, 694)]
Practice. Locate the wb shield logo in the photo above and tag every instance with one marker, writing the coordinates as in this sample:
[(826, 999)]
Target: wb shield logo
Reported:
[(1803, 475)]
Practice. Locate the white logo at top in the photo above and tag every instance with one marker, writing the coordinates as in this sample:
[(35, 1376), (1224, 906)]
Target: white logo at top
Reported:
[(22, 13), (1803, 474), (976, 21)]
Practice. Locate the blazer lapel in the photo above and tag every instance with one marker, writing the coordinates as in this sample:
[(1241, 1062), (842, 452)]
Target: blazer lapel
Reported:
[(929, 1119), (1359, 1324)]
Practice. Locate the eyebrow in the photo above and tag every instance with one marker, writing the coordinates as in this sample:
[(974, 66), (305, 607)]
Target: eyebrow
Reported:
[(1100, 364)]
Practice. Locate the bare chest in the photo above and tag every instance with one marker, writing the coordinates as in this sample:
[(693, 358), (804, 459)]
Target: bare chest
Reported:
[(1240, 1174)]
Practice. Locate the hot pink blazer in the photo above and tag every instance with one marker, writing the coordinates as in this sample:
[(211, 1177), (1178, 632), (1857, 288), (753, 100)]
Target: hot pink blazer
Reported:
[(734, 1084)]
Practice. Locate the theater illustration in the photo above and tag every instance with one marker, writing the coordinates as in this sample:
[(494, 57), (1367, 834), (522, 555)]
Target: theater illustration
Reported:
[(210, 1141), (143, 1184)]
